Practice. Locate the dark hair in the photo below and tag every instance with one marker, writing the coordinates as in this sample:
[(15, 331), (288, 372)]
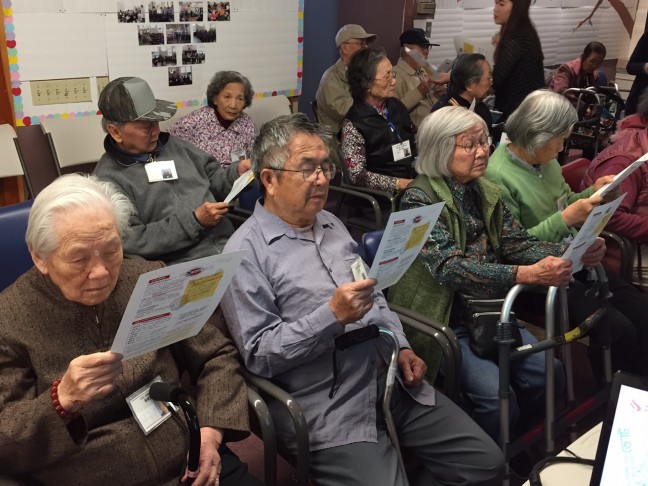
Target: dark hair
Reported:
[(223, 78), (518, 20), (466, 70), (361, 71), (593, 46)]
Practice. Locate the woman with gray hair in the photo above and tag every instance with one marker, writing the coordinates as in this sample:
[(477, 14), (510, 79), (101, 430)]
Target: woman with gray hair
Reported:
[(65, 396), (537, 195), (475, 251), (221, 128)]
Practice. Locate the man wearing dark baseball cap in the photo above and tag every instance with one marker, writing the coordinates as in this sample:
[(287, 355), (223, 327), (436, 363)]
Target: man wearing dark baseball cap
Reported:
[(413, 86), (333, 95), (173, 185)]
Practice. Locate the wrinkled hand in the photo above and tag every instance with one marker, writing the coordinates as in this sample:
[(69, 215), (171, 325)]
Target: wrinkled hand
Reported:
[(578, 211), (209, 465), (352, 301), (550, 271), (602, 181), (88, 378), (244, 166), (403, 183), (210, 214), (412, 367), (594, 253)]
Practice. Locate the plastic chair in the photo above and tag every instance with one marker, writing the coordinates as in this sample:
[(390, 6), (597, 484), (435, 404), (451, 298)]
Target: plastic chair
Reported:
[(620, 250), (265, 109), (77, 143), (15, 255), (10, 159)]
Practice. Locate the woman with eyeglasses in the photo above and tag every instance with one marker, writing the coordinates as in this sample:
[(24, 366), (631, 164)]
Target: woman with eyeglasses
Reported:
[(470, 82), (476, 251), (537, 195), (377, 134)]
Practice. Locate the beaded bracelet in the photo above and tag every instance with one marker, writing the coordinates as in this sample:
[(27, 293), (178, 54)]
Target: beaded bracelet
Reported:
[(57, 405)]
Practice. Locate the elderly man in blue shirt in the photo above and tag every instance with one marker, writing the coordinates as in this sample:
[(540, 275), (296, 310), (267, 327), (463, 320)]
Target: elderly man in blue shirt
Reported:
[(295, 292)]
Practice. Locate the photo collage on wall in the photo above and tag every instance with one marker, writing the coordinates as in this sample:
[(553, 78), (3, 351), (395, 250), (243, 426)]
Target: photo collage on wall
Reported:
[(186, 25)]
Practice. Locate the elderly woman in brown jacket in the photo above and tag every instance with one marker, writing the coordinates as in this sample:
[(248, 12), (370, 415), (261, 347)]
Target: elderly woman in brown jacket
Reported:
[(64, 417)]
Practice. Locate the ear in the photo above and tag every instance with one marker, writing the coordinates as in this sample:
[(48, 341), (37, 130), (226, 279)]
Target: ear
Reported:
[(39, 262), (268, 178), (115, 134)]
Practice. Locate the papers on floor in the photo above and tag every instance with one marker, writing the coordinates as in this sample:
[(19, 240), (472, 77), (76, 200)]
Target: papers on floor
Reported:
[(402, 240), (590, 230), (239, 185), (621, 176), (173, 303)]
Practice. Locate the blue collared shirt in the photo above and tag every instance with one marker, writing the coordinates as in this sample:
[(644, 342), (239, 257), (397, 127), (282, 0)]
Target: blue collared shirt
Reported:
[(277, 311)]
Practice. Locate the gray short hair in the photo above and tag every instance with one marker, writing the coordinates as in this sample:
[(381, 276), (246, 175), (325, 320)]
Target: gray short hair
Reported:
[(69, 192), (436, 141), (270, 149), (541, 116), (105, 122), (223, 78)]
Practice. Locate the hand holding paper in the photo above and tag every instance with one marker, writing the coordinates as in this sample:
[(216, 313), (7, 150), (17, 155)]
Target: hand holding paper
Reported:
[(352, 301), (239, 185), (620, 177)]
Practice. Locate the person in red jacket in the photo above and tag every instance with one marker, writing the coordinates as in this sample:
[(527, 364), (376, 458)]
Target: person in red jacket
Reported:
[(630, 143)]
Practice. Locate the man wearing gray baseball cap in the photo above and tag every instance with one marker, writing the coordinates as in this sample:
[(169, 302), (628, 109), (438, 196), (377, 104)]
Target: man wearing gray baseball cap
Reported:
[(173, 185), (333, 95)]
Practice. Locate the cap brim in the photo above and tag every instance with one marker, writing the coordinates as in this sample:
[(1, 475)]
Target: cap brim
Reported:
[(162, 111)]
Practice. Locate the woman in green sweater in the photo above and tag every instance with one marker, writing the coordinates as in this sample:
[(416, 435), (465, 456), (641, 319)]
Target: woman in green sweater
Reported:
[(537, 195)]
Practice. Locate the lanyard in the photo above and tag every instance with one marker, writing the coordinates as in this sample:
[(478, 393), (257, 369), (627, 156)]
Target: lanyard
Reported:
[(391, 125)]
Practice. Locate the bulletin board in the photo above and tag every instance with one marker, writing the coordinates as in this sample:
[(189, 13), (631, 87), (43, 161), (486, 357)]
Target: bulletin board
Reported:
[(555, 22), (175, 45)]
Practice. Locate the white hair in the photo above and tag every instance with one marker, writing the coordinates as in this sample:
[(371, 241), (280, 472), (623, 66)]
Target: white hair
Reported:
[(73, 191), (435, 138)]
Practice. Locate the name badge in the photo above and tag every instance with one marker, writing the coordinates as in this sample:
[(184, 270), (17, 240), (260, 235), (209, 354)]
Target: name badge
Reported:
[(401, 150), (238, 155), (161, 170), (149, 413)]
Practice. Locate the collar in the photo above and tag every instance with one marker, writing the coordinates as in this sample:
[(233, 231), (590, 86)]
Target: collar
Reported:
[(273, 228), (459, 190), (535, 168), (222, 121), (126, 158)]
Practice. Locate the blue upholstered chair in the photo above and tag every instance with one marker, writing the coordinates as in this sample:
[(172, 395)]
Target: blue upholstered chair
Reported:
[(16, 259)]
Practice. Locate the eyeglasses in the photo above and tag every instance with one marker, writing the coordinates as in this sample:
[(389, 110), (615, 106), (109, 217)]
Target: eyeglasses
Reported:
[(312, 173), (390, 75), (471, 146)]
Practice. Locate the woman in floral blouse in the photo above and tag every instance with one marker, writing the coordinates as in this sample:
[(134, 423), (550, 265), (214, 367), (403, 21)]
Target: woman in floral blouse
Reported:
[(221, 128)]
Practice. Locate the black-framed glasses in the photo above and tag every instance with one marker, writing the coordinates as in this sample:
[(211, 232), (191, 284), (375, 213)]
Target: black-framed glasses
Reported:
[(390, 75), (471, 146), (311, 173)]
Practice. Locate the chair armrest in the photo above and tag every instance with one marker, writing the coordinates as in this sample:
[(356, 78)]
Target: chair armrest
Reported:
[(373, 192), (626, 251), (268, 435), (446, 339), (366, 197), (265, 387)]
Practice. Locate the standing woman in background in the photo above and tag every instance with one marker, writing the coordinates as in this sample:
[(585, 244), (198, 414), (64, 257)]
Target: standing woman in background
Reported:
[(518, 56), (637, 65)]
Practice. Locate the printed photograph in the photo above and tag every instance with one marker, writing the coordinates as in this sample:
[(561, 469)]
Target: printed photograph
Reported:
[(193, 54), (161, 12), (179, 76), (203, 33), (150, 35), (191, 12), (130, 12), (164, 56), (218, 11), (178, 34)]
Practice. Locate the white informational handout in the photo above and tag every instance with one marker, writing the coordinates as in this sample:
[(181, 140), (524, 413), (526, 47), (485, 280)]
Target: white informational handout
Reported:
[(240, 184), (424, 64), (404, 236), (618, 179), (173, 303), (590, 230)]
